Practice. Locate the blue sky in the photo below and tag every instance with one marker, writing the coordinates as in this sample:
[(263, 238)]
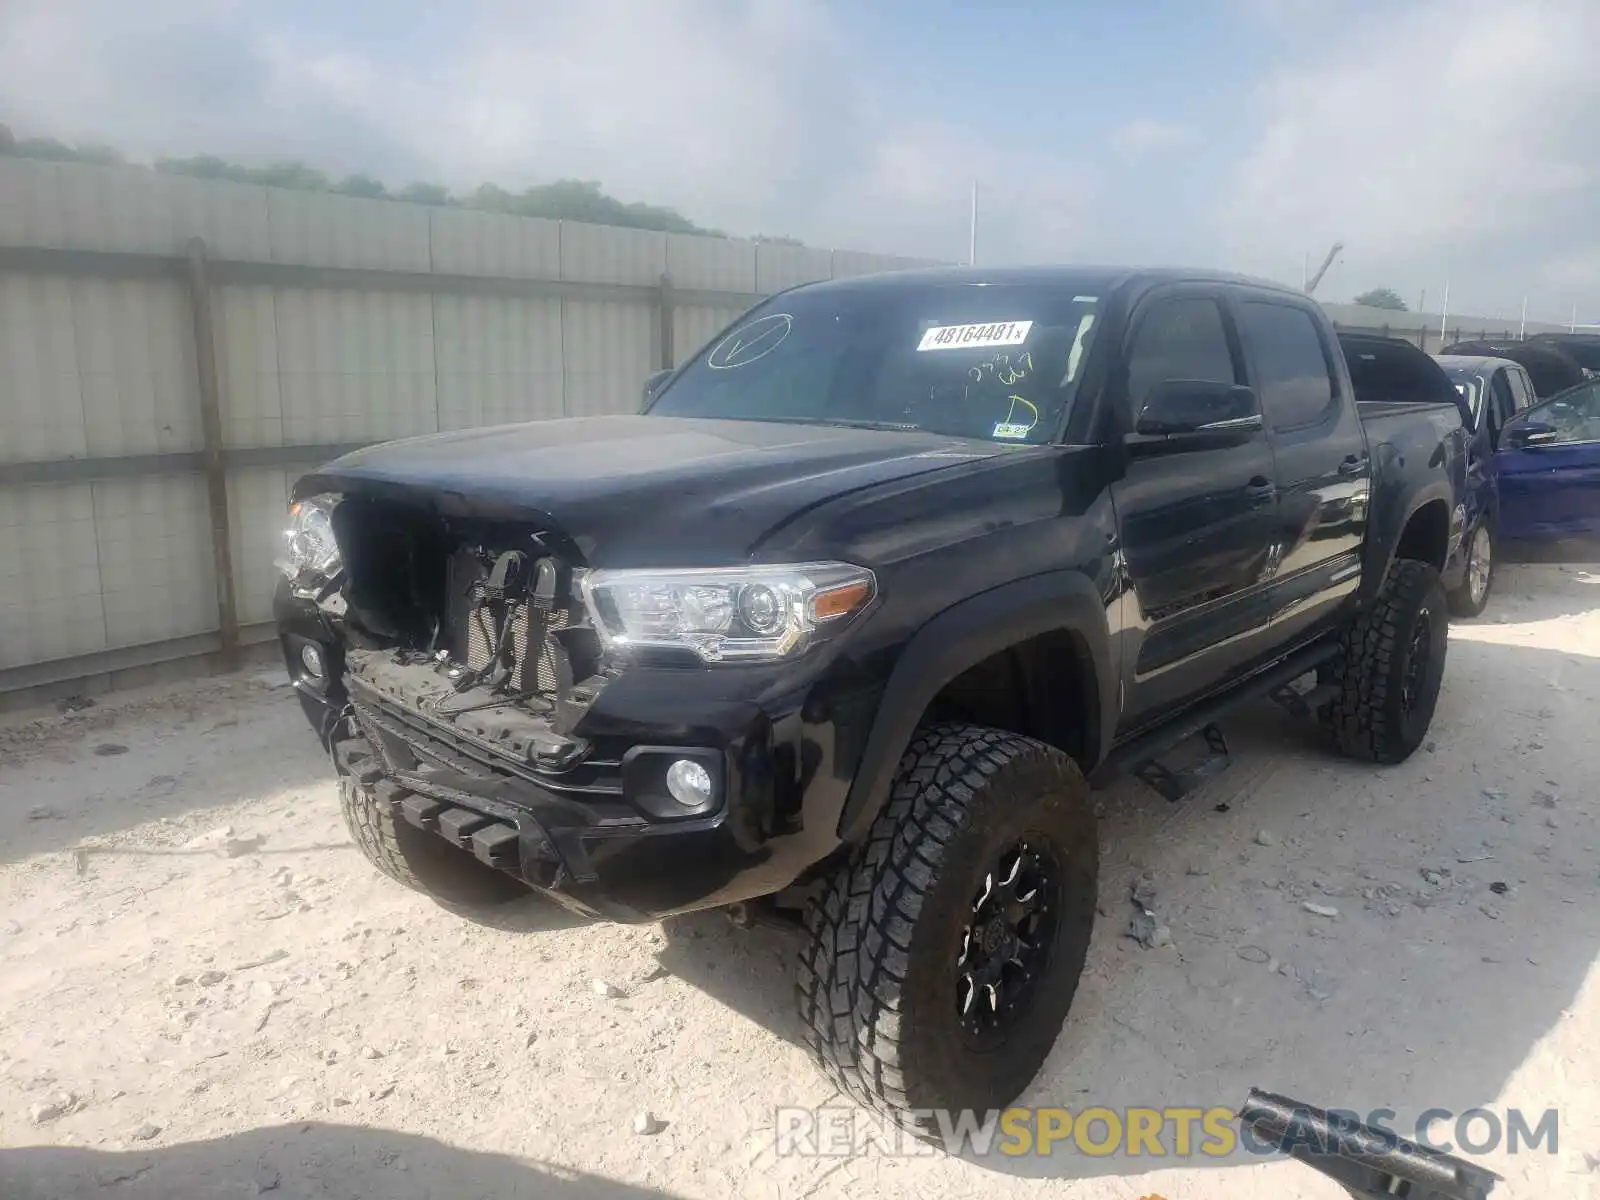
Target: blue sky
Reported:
[(1436, 138)]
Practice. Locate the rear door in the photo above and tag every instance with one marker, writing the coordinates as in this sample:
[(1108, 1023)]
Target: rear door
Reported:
[(1323, 470), (1548, 464)]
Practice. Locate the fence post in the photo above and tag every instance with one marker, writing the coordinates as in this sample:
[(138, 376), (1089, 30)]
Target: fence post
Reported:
[(205, 352), (665, 301)]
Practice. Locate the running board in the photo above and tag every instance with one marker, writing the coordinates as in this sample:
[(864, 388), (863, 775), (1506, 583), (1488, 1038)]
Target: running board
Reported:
[(1151, 744), (1304, 705), (1177, 782)]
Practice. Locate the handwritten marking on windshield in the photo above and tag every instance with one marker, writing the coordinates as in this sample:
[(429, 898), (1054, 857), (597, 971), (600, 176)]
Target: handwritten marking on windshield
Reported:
[(753, 340)]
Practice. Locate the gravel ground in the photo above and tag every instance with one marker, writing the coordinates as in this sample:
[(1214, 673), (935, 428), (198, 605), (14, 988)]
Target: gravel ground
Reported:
[(206, 992)]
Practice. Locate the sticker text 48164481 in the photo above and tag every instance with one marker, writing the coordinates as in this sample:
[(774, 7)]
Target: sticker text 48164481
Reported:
[(974, 337)]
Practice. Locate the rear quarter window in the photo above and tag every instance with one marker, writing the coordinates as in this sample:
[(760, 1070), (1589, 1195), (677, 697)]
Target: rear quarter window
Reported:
[(1293, 376)]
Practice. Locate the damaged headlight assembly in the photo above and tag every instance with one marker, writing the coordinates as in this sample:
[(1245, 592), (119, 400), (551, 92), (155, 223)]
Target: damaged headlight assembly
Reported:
[(727, 614), (310, 551)]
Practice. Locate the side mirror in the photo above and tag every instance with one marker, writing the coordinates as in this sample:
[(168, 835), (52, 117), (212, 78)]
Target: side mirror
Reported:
[(653, 384), (1196, 406), (1529, 434)]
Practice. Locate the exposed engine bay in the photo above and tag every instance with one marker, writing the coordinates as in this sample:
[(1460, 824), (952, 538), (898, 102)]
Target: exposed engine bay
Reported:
[(474, 626)]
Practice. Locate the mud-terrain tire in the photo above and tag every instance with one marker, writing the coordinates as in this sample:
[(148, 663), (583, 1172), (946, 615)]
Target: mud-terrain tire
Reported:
[(1391, 666), (881, 980), (422, 861), (1472, 596)]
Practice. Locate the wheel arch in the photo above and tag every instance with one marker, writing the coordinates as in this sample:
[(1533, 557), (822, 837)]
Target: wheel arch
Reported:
[(1055, 614)]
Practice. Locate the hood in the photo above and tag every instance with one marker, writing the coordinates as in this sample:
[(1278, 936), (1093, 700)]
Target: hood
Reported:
[(643, 490)]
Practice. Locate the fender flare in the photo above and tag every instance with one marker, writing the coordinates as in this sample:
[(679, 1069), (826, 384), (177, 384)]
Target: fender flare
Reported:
[(1388, 540), (962, 636)]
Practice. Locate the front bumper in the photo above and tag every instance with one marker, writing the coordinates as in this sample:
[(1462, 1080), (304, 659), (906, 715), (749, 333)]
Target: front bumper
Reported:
[(596, 834)]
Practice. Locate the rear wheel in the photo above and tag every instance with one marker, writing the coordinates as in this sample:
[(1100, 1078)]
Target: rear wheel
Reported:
[(422, 861), (1472, 596), (1391, 666), (943, 958)]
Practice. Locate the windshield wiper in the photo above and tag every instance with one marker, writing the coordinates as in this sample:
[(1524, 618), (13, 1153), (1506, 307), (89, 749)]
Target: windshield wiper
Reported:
[(853, 423)]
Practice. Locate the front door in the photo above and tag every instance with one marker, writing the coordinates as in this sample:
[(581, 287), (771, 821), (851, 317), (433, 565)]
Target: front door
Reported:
[(1195, 525), (1548, 463)]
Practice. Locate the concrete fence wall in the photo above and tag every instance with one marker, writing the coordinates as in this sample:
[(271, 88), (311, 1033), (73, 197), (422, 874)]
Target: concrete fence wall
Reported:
[(175, 352)]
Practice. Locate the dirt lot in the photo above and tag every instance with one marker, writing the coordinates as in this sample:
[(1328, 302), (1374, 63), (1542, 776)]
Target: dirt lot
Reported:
[(205, 991)]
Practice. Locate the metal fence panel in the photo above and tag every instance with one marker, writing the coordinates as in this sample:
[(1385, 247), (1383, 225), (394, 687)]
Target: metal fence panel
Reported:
[(247, 365), (608, 349), (258, 498), (355, 366), (599, 254), (154, 551), (778, 266), (465, 242), (50, 589), (30, 203), (136, 366), (498, 360), (711, 264), (42, 413), (345, 231)]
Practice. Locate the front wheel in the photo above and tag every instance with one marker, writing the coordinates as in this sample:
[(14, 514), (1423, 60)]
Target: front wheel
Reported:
[(1472, 596), (1390, 667), (943, 958)]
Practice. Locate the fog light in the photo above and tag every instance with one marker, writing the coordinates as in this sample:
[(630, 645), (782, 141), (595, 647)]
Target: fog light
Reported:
[(689, 783), (311, 659)]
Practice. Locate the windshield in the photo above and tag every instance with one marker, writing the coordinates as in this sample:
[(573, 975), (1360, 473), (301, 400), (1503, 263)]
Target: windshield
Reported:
[(1470, 387), (999, 363)]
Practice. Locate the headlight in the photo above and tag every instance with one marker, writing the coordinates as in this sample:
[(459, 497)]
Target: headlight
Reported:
[(727, 614), (308, 542)]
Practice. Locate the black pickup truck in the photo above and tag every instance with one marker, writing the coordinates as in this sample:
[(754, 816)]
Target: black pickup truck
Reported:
[(852, 616)]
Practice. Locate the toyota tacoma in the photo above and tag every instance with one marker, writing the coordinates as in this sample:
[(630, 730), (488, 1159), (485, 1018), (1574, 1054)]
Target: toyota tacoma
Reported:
[(850, 618)]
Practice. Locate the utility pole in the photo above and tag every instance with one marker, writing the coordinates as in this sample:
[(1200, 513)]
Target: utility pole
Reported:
[(1522, 329), (1573, 328), (972, 238), (1444, 314)]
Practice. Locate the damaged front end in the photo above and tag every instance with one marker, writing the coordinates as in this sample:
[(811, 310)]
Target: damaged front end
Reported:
[(447, 661)]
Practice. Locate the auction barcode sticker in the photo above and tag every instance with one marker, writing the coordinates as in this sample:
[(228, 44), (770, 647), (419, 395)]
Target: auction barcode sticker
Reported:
[(958, 337)]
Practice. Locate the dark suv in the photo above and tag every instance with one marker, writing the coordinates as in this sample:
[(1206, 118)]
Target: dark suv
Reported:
[(852, 615)]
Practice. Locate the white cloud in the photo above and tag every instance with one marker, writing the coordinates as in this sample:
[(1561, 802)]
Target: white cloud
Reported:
[(1453, 139), (747, 115), (1147, 135)]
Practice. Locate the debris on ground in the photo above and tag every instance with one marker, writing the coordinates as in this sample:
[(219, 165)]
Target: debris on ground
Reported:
[(1494, 794), (1320, 910), (1265, 837), (60, 1105), (145, 1132), (647, 1123), (1143, 926), (72, 704), (1254, 954), (44, 812), (1436, 876), (606, 991)]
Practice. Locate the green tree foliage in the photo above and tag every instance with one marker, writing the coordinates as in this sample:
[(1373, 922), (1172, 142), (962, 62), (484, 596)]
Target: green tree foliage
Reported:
[(563, 200), (1382, 298)]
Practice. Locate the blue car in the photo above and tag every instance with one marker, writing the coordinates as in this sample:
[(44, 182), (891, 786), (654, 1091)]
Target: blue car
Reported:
[(1538, 458), (1548, 464)]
